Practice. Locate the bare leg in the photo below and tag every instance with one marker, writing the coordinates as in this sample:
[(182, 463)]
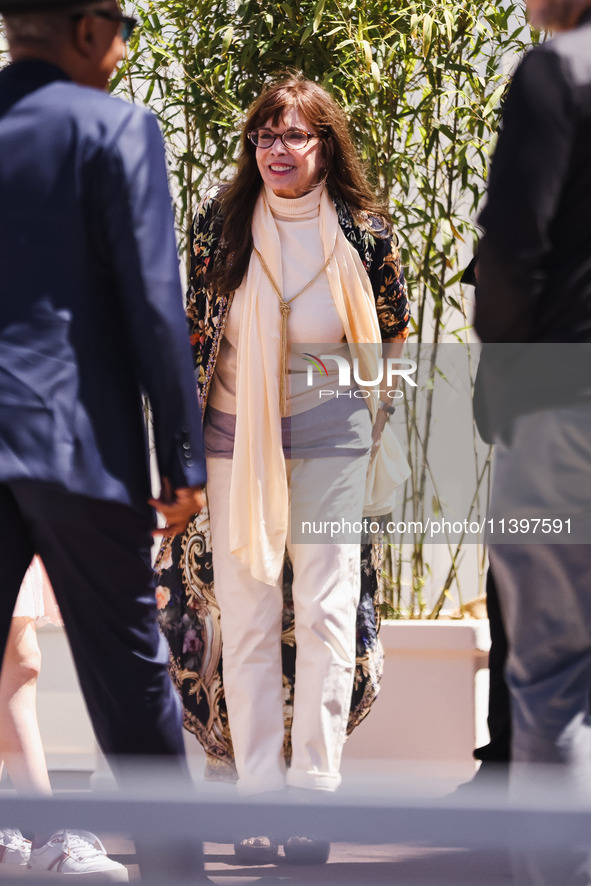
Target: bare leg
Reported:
[(20, 739), (68, 851)]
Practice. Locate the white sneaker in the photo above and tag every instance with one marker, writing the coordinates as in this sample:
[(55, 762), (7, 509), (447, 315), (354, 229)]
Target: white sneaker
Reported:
[(77, 852), (14, 849)]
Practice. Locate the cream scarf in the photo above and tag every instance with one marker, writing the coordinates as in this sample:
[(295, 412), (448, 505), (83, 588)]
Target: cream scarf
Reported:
[(259, 497)]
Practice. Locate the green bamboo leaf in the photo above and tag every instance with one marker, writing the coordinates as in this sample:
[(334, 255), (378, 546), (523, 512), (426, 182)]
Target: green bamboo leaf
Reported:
[(307, 33), (449, 23), (376, 77), (117, 78), (427, 33), (318, 10), (227, 39), (455, 279), (493, 101), (367, 54), (150, 92)]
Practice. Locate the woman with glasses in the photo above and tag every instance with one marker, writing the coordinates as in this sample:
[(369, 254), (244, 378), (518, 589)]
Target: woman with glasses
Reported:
[(294, 249)]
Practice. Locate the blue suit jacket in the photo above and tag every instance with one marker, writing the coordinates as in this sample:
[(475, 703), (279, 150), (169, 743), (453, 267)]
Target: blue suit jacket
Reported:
[(91, 309)]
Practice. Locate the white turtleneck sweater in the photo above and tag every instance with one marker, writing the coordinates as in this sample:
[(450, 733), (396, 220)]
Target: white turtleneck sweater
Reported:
[(313, 316)]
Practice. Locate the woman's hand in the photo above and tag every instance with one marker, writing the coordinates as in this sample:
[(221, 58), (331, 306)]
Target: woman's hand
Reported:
[(376, 431)]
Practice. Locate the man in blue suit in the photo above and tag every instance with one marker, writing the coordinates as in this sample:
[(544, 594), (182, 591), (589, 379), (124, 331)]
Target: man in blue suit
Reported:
[(91, 319)]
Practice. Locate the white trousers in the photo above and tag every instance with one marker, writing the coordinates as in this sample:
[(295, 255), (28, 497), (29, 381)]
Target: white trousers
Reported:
[(326, 589)]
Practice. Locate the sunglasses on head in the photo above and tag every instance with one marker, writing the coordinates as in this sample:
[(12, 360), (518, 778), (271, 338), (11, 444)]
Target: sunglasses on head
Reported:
[(126, 22)]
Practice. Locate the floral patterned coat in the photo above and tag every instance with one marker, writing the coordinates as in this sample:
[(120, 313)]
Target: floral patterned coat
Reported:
[(189, 616)]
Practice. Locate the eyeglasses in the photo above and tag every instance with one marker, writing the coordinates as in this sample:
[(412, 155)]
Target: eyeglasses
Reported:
[(126, 22), (294, 139)]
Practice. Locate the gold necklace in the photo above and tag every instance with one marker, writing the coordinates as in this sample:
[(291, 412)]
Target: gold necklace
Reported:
[(285, 308)]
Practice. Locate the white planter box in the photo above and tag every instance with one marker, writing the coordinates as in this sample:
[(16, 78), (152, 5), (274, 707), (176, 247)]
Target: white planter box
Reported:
[(433, 700), (431, 708)]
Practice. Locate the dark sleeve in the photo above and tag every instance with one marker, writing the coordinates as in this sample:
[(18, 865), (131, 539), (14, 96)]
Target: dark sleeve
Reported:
[(389, 287), (468, 278), (527, 176), (205, 234), (140, 232)]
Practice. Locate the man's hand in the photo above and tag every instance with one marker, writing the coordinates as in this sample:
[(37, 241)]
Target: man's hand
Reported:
[(177, 507)]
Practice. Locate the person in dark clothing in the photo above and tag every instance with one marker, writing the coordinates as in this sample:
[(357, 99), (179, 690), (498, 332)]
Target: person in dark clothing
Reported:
[(497, 753), (533, 400), (495, 756)]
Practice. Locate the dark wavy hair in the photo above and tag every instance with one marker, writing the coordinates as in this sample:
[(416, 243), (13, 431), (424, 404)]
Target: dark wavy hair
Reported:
[(345, 176)]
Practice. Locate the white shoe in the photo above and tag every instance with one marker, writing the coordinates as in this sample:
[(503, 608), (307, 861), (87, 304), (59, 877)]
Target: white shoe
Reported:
[(77, 852), (14, 849)]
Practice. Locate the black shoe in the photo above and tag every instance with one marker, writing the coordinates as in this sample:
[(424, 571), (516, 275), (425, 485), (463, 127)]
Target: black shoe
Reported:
[(256, 850), (490, 777), (306, 850)]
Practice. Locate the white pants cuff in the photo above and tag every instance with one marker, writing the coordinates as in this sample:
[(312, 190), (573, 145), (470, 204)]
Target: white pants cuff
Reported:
[(316, 781), (249, 786)]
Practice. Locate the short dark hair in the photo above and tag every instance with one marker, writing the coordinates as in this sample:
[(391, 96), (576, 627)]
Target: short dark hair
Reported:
[(38, 27)]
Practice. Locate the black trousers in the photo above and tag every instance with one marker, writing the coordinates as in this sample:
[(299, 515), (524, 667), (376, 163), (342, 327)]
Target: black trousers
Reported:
[(97, 556), (498, 750)]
